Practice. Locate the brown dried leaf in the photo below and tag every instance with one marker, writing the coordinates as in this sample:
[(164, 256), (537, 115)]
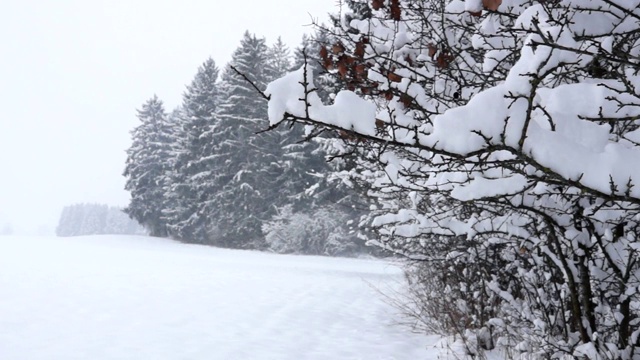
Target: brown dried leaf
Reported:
[(491, 4), (395, 11), (377, 4), (393, 77), (327, 63), (324, 53), (409, 60), (432, 50), (342, 69), (444, 59), (359, 50), (349, 60), (406, 100)]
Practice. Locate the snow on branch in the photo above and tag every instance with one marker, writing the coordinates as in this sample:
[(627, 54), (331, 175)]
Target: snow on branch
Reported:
[(294, 94)]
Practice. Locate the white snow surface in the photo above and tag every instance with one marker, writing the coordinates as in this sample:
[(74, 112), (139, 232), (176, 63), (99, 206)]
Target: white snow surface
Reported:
[(127, 297)]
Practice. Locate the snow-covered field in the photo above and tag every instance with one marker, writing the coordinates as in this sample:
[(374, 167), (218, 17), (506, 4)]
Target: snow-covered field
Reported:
[(117, 297)]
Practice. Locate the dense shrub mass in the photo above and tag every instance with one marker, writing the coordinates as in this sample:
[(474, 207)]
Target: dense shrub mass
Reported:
[(501, 141)]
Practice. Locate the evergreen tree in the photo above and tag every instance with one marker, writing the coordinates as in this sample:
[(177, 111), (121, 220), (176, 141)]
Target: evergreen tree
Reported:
[(278, 60), (301, 53), (146, 168), (93, 219), (235, 207), (257, 174), (192, 154)]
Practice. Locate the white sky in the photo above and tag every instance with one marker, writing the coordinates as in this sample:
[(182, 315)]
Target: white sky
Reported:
[(72, 73)]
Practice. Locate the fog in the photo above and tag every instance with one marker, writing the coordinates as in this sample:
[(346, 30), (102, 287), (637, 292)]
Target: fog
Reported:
[(72, 74)]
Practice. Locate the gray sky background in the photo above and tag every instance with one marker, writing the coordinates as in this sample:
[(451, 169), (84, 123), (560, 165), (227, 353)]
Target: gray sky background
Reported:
[(72, 73)]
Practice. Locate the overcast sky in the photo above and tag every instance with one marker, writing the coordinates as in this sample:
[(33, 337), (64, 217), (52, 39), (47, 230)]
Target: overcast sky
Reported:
[(72, 73)]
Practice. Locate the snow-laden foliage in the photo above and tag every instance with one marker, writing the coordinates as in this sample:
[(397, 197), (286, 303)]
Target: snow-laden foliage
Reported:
[(324, 231), (191, 161), (501, 140), (148, 165), (237, 206)]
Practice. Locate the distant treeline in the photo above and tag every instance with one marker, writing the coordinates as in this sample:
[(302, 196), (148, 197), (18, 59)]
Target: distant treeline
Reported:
[(95, 219)]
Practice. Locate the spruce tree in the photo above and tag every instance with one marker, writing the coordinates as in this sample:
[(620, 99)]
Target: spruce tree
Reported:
[(257, 174), (278, 60), (146, 167), (236, 208), (192, 154)]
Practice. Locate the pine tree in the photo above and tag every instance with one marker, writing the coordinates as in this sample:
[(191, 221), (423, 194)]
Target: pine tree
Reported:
[(257, 174), (235, 207), (301, 53), (278, 60), (94, 218), (192, 156), (146, 167)]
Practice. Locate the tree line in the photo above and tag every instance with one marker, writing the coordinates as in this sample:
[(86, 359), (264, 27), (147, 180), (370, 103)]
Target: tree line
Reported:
[(207, 172), (95, 219)]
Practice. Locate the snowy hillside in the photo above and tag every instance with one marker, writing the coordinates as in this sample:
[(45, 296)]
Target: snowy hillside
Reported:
[(118, 297)]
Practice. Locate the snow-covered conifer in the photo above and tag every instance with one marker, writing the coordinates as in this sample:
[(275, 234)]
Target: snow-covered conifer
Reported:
[(236, 207), (192, 154), (147, 167)]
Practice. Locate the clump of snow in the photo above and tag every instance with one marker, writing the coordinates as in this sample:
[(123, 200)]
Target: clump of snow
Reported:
[(473, 5), (532, 14), (349, 111), (287, 95)]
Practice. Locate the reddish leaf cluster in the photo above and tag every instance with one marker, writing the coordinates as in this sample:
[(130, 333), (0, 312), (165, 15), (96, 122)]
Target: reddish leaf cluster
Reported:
[(350, 67), (491, 5), (395, 12), (392, 76), (441, 57)]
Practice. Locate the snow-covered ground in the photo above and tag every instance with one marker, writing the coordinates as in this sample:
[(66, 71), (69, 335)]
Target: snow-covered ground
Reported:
[(119, 297)]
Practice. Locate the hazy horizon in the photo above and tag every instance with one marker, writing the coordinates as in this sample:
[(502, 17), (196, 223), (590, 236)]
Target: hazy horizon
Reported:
[(74, 74)]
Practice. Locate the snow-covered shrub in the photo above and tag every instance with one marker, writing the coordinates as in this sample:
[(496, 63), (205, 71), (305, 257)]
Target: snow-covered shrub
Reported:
[(512, 125), (284, 232), (321, 232)]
